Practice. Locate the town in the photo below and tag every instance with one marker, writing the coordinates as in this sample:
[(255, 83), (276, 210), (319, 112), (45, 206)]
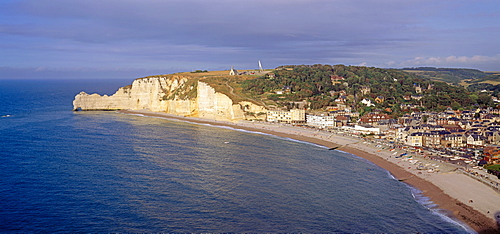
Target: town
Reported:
[(469, 138)]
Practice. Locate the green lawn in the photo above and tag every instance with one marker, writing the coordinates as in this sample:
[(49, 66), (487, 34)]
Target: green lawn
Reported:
[(494, 167)]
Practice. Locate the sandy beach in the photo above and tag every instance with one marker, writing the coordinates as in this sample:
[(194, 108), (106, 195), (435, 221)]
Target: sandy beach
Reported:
[(465, 198)]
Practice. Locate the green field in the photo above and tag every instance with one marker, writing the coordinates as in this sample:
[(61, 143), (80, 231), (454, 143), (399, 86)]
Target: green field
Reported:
[(494, 167)]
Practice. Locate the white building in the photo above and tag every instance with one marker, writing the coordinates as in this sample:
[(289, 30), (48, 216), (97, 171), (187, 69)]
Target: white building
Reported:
[(415, 139), (358, 129), (282, 116), (367, 102), (320, 121), (233, 72)]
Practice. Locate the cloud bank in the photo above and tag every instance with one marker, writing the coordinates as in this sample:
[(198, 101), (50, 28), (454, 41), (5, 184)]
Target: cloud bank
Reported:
[(455, 61), (154, 35)]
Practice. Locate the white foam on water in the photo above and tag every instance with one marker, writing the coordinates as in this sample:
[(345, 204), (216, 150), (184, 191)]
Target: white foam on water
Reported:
[(427, 203)]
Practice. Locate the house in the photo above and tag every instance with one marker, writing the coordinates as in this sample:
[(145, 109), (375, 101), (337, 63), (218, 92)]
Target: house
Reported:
[(284, 90), (452, 127), (365, 90), (336, 79), (287, 89), (467, 115), (446, 121), (433, 138), (379, 99), (492, 137), (465, 124), (475, 140), (341, 120), (417, 87), (492, 154), (341, 99), (410, 122), (454, 140), (415, 139), (367, 102), (416, 97), (372, 118), (387, 124)]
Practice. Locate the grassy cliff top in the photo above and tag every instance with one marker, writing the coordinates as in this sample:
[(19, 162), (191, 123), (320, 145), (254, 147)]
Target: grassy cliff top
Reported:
[(222, 82)]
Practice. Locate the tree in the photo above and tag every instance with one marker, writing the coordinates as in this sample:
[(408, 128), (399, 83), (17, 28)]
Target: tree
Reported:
[(484, 100)]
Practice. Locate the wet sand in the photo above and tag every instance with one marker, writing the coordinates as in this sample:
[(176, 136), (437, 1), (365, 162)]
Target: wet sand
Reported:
[(449, 189)]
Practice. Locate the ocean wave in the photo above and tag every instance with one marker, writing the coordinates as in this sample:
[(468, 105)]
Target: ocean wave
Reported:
[(442, 214)]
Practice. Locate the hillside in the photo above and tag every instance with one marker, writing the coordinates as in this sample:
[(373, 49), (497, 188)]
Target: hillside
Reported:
[(391, 90), (456, 76), (200, 94), (315, 87), (448, 75)]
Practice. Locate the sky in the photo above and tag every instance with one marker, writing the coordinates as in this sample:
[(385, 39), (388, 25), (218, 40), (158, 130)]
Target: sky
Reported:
[(69, 39)]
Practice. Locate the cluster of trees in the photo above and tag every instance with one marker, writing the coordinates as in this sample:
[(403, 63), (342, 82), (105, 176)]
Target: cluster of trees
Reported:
[(304, 81), (199, 71), (321, 85), (482, 87)]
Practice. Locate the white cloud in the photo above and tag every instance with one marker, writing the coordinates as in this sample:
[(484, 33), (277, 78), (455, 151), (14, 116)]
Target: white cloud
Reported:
[(476, 60)]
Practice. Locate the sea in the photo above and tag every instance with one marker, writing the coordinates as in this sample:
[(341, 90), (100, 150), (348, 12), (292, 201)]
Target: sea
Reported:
[(63, 171)]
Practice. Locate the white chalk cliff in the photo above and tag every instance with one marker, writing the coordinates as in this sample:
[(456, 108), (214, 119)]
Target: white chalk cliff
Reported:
[(173, 94)]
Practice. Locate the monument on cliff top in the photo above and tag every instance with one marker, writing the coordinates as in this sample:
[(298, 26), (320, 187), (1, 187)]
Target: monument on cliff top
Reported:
[(234, 72)]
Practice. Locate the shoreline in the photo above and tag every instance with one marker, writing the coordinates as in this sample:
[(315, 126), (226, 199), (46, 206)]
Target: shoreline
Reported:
[(464, 198)]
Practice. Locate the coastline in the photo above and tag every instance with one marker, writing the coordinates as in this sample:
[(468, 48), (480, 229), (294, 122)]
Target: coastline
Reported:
[(449, 189)]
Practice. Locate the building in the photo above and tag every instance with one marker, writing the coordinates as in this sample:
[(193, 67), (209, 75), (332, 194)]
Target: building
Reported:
[(379, 99), (233, 72), (492, 154), (367, 102), (361, 129), (365, 90), (433, 138), (475, 140), (284, 116), (321, 121), (415, 139), (373, 118), (454, 140)]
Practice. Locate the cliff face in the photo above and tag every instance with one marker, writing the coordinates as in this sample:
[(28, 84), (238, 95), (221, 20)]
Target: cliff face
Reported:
[(173, 94)]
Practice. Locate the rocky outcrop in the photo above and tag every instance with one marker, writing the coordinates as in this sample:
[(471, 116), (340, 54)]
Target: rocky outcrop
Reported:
[(172, 94)]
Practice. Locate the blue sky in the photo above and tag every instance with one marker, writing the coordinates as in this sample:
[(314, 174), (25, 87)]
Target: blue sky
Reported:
[(135, 38)]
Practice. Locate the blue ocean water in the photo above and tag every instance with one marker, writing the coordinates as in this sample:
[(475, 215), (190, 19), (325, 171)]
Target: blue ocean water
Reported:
[(64, 171)]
